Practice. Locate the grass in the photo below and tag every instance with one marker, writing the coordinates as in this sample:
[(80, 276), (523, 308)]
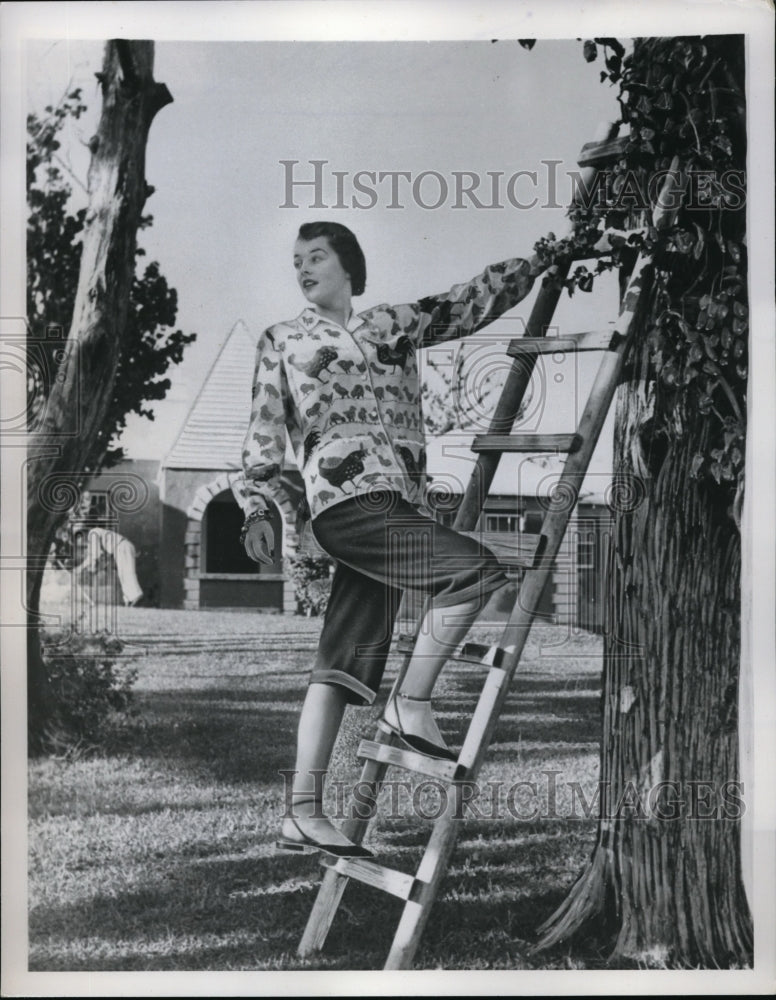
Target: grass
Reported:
[(157, 854)]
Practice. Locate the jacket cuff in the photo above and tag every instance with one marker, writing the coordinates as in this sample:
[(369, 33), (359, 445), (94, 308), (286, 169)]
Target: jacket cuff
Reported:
[(249, 498)]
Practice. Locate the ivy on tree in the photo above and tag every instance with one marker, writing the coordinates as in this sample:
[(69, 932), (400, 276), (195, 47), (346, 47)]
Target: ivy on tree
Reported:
[(681, 97)]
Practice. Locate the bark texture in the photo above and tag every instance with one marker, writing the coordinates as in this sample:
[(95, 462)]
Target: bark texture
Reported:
[(665, 878), (62, 444)]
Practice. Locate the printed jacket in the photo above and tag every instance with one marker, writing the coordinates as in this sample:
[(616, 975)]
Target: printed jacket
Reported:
[(350, 396)]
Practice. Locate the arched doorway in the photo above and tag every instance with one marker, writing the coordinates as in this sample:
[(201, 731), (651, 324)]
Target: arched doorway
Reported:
[(217, 573), (228, 577)]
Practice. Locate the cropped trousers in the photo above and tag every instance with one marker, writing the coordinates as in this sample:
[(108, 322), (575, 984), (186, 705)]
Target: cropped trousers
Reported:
[(382, 545)]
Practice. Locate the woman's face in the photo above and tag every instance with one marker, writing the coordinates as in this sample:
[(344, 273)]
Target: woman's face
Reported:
[(323, 280)]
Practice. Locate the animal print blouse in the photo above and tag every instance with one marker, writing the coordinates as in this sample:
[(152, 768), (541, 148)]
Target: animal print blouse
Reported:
[(350, 396)]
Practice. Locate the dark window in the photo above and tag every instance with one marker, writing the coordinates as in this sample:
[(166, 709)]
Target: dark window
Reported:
[(94, 508), (223, 550), (446, 517), (503, 522), (532, 522)]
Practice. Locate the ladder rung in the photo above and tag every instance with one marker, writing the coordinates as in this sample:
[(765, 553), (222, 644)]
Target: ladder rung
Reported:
[(527, 442), (593, 340), (597, 154), (512, 548), (481, 653), (478, 653), (378, 876), (384, 753)]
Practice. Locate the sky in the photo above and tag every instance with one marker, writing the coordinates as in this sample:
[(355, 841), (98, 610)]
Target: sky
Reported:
[(224, 224)]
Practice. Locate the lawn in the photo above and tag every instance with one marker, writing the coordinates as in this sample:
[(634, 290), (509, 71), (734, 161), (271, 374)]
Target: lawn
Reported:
[(157, 854)]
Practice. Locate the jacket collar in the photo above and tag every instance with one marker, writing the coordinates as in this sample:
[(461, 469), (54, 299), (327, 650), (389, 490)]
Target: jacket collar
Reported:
[(310, 318)]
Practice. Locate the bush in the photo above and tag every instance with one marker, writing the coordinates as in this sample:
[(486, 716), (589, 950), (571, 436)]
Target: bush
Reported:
[(91, 692), (312, 583)]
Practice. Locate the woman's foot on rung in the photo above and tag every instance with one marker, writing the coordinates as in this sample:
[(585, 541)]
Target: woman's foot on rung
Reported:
[(307, 829), (412, 720)]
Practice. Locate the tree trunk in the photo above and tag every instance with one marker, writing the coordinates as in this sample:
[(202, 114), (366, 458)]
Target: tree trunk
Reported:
[(62, 444), (665, 876)]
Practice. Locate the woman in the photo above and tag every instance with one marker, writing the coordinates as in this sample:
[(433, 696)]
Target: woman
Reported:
[(346, 387)]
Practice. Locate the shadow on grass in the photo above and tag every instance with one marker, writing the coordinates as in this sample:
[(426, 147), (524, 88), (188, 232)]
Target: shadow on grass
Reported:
[(227, 903), (548, 710), (250, 913), (250, 734), (236, 736)]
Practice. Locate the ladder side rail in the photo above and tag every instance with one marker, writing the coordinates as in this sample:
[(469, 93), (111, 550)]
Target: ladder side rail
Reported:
[(515, 386), (442, 841), (483, 724), (513, 392), (373, 772), (520, 373), (468, 514), (333, 883), (508, 406), (574, 470), (502, 421), (324, 909)]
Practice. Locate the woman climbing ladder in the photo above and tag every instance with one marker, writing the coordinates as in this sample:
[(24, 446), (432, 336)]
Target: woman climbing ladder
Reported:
[(346, 387)]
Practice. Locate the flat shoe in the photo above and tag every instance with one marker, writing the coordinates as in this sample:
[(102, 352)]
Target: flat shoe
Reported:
[(417, 743), (307, 845), (421, 745)]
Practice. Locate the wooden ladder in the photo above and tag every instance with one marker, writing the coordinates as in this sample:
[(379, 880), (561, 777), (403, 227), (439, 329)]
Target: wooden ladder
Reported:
[(536, 557)]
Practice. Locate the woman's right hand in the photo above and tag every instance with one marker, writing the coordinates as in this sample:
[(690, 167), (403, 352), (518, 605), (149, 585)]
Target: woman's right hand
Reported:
[(260, 542)]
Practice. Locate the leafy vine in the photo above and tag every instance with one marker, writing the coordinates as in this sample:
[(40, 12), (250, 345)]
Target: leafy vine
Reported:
[(679, 97)]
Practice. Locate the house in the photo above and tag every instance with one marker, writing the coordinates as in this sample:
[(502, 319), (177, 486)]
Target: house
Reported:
[(185, 523)]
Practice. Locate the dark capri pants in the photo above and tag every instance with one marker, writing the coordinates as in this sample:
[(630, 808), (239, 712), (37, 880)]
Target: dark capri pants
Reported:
[(383, 545)]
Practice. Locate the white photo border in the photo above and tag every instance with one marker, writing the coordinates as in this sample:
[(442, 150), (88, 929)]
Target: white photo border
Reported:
[(297, 20)]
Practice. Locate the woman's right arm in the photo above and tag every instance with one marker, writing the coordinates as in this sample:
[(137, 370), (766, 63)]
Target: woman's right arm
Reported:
[(265, 440)]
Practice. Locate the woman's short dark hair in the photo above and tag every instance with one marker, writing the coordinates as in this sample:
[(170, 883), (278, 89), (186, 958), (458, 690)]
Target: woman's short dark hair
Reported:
[(346, 247)]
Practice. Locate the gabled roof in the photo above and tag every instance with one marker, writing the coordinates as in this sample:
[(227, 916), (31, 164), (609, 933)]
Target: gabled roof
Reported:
[(212, 433)]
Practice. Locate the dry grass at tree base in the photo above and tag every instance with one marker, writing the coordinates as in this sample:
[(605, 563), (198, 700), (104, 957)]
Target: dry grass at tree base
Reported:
[(158, 855)]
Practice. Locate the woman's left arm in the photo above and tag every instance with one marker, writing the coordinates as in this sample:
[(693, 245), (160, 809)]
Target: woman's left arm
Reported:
[(470, 306)]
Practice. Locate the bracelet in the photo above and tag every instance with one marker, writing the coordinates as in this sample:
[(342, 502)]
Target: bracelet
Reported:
[(257, 515)]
